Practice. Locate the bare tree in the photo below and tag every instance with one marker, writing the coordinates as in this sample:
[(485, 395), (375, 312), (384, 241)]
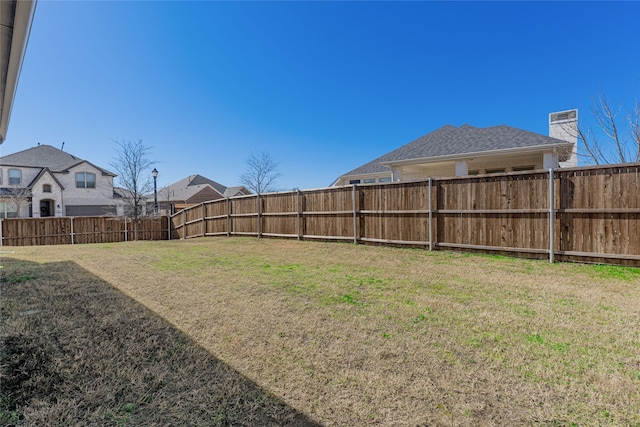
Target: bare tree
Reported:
[(616, 136), (261, 173), (166, 196), (132, 164), (18, 197)]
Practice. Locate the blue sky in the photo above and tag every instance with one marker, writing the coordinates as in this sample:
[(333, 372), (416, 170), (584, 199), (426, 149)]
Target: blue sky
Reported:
[(322, 86)]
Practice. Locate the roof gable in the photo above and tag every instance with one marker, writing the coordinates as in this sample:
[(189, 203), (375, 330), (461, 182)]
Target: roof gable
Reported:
[(240, 190), (43, 172), (201, 180), (84, 162), (205, 194)]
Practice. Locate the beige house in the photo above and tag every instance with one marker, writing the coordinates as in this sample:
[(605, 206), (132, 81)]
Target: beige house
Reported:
[(44, 181), (467, 150)]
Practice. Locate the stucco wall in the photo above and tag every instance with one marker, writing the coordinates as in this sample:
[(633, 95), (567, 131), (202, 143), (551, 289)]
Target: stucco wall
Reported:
[(37, 194)]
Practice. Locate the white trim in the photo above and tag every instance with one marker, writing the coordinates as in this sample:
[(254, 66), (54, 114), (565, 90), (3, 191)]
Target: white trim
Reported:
[(365, 175), (503, 151)]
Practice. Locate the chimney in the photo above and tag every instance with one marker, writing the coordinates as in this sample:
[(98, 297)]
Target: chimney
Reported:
[(564, 125)]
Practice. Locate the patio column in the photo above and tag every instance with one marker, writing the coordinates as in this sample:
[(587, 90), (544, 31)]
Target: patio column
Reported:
[(549, 160), (396, 174)]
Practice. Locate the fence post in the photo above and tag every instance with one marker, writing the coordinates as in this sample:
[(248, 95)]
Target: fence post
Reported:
[(298, 216), (355, 221), (1, 236), (204, 215), (430, 216), (226, 204), (184, 222), (230, 217), (72, 240), (551, 215), (259, 218), (169, 227), (126, 230)]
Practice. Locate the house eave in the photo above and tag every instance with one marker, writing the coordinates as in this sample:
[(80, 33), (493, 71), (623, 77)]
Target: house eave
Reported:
[(363, 176), (490, 153), (16, 27)]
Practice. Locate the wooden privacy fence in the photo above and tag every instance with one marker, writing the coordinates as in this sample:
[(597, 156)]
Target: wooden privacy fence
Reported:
[(579, 214), (77, 230)]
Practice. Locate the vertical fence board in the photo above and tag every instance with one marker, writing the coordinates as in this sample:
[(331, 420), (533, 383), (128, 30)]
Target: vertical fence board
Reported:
[(279, 214), (596, 211), (60, 231), (216, 220)]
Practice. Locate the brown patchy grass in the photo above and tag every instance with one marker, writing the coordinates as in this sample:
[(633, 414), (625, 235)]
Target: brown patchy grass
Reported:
[(363, 335), (75, 351)]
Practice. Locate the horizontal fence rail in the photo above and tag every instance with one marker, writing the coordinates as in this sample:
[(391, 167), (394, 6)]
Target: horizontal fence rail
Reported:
[(78, 230), (588, 214)]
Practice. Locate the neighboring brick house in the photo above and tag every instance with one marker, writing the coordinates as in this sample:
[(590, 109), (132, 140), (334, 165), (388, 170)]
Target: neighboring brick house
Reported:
[(45, 181), (467, 150), (192, 190)]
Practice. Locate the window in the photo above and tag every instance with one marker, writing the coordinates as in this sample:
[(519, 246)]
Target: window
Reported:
[(8, 210), (354, 181), (15, 176), (0, 176), (85, 180), (46, 188), (474, 173), (386, 179), (369, 180)]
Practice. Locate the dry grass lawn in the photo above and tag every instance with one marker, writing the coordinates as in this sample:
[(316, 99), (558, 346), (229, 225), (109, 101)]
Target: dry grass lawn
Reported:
[(363, 335)]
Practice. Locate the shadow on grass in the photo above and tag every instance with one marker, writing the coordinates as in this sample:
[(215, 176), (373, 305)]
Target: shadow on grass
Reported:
[(76, 351)]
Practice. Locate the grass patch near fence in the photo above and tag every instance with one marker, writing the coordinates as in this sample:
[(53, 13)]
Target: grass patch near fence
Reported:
[(361, 335)]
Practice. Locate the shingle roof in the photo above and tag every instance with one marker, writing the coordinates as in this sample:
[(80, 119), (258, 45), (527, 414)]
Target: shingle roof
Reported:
[(193, 184), (201, 180), (236, 191), (45, 156), (182, 190), (450, 140)]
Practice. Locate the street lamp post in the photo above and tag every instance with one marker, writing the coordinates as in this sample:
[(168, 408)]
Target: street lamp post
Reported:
[(154, 172)]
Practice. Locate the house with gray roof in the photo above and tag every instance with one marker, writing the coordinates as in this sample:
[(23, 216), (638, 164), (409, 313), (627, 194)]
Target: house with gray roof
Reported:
[(468, 150), (192, 190), (44, 181)]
